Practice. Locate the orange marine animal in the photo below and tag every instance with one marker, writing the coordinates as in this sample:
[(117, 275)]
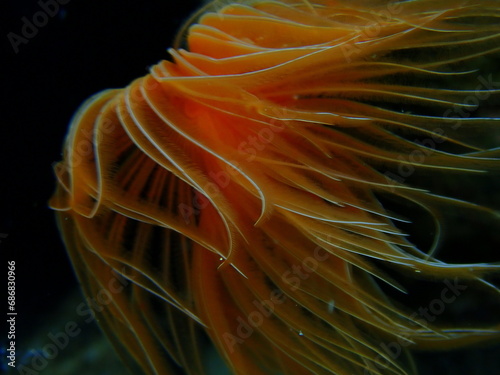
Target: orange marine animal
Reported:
[(277, 189)]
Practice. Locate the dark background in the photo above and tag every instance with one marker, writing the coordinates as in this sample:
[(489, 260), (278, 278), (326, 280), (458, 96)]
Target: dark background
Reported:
[(87, 46)]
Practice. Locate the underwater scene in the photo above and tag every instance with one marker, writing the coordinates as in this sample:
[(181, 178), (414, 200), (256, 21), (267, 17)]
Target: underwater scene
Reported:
[(252, 187)]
